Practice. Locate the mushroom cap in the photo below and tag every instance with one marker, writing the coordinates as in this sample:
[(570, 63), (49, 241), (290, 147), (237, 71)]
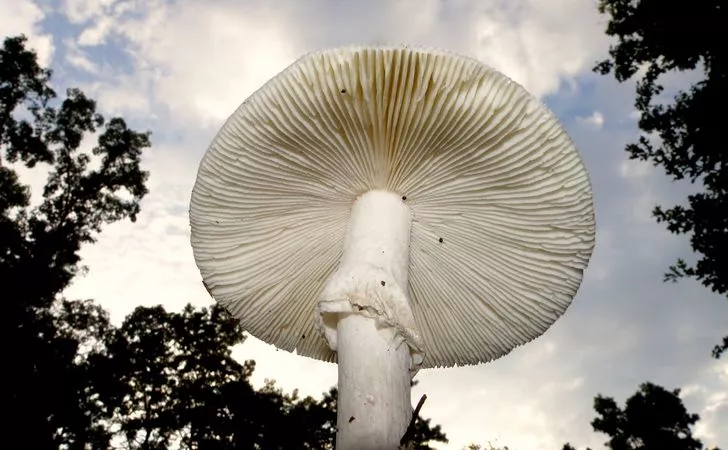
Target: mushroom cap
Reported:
[(503, 222)]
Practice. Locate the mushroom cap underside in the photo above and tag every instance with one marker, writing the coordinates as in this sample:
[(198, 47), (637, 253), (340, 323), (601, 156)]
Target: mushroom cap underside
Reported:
[(502, 213)]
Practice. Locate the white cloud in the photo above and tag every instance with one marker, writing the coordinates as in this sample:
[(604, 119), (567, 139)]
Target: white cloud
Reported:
[(95, 33), (80, 11), (23, 17), (711, 404), (200, 59), (539, 43), (149, 261), (78, 58), (632, 168), (596, 119), (122, 95), (209, 57)]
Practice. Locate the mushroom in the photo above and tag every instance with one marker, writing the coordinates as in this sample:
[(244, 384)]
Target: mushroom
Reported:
[(391, 209)]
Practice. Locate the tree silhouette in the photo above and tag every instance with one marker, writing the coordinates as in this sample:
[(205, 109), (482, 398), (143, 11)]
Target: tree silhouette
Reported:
[(568, 446), (486, 447), (40, 247), (164, 377), (685, 137), (652, 419)]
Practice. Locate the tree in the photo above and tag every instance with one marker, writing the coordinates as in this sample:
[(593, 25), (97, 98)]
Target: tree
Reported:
[(86, 327), (719, 349), (654, 38), (164, 380), (652, 419), (489, 447), (40, 243)]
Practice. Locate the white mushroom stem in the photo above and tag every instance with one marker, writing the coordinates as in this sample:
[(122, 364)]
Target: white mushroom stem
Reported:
[(365, 316), (374, 404)]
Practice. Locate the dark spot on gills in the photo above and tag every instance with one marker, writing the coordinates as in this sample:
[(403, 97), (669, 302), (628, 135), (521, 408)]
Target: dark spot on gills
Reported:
[(441, 240), (351, 419), (383, 282), (404, 197), (343, 91)]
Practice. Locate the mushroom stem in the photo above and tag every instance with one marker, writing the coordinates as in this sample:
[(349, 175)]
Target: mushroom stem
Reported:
[(365, 315), (374, 404)]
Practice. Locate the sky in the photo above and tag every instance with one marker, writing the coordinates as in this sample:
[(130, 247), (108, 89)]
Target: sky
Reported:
[(180, 68)]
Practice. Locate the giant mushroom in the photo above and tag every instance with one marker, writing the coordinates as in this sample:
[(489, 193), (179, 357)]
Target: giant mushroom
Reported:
[(391, 209)]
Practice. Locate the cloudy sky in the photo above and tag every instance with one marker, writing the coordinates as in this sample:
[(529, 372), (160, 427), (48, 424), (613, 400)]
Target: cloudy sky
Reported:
[(179, 68)]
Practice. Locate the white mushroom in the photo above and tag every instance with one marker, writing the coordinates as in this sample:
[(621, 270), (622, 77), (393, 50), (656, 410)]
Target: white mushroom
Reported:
[(414, 207)]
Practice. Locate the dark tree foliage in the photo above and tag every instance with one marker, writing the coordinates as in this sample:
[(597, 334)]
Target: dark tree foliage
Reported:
[(719, 349), (652, 419), (424, 433), (40, 243), (488, 447), (163, 378), (667, 36)]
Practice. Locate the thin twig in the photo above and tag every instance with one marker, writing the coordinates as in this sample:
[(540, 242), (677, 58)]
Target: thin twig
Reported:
[(409, 434)]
